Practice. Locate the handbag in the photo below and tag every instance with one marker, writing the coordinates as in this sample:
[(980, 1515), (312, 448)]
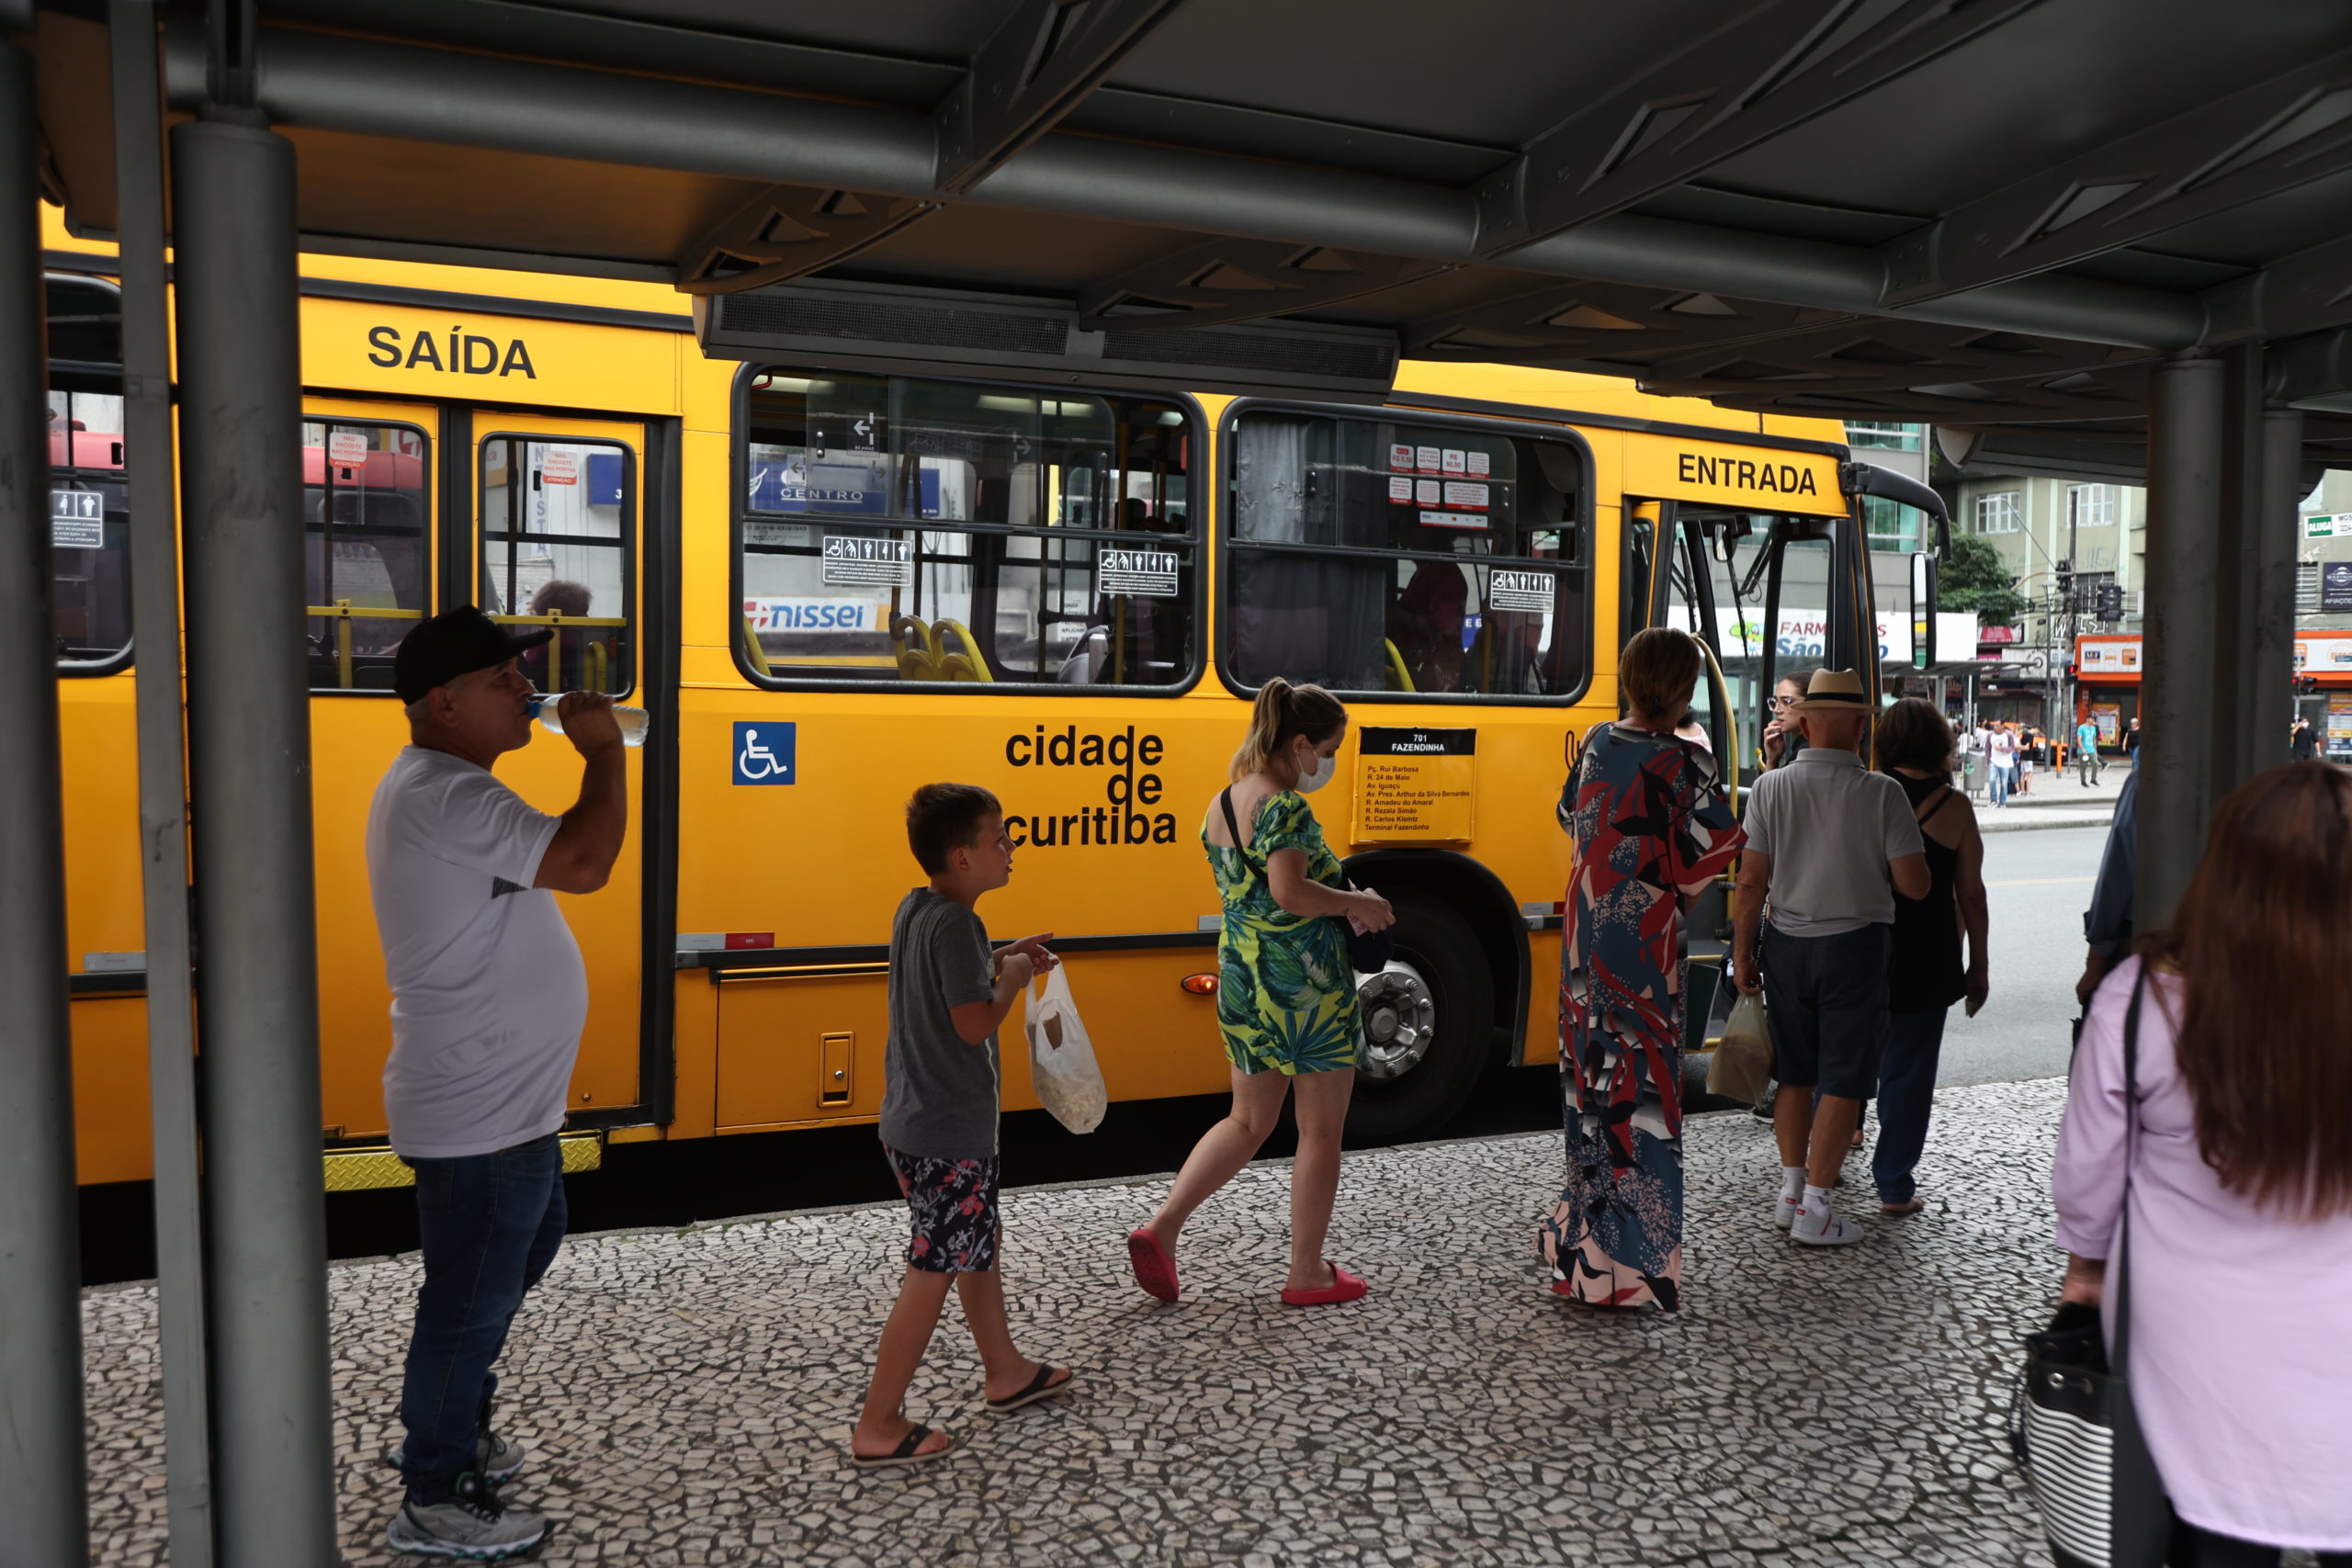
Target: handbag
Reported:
[(2071, 1422), (1368, 951)]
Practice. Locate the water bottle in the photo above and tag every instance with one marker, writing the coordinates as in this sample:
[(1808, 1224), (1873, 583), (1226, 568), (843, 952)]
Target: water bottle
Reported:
[(632, 721)]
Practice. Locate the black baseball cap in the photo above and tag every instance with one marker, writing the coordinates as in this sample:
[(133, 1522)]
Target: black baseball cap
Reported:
[(453, 643)]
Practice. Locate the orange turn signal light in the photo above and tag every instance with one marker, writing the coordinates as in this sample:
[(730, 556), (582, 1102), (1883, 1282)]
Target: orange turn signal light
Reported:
[(1200, 985)]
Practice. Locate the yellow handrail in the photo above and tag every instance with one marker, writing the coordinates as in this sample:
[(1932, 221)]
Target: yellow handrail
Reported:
[(342, 612), (1396, 669)]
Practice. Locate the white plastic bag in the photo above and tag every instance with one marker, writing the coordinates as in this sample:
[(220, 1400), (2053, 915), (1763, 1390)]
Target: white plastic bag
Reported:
[(1743, 1063), (1061, 1058)]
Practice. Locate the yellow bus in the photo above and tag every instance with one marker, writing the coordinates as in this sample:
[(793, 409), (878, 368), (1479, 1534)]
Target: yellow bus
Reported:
[(831, 577)]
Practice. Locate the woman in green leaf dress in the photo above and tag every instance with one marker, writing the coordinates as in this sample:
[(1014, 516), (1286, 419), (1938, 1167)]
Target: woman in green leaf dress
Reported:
[(1286, 994)]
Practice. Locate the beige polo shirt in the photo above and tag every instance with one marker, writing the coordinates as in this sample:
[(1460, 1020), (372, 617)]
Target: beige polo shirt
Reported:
[(1829, 826)]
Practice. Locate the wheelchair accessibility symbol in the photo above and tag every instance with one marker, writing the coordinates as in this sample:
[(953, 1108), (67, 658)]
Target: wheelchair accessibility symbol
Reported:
[(763, 754)]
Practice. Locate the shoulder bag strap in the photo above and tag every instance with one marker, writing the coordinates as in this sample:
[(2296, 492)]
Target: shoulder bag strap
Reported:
[(2121, 1267)]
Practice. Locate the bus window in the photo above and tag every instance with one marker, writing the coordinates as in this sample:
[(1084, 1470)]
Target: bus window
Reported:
[(900, 529), (364, 563), (89, 530), (556, 522), (1373, 556)]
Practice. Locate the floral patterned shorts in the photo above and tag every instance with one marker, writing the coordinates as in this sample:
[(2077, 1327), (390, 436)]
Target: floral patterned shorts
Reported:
[(953, 1205)]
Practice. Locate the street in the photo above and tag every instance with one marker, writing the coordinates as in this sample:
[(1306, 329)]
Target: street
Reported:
[(2039, 884)]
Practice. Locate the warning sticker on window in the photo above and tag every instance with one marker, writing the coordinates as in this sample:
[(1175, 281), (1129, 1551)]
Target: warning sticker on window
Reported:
[(1151, 573), (1451, 520), (347, 449), (77, 520), (1400, 489), (1427, 458), (1426, 491), (1459, 493), (1455, 461), (1401, 458), (1521, 591), (885, 563), (1479, 462)]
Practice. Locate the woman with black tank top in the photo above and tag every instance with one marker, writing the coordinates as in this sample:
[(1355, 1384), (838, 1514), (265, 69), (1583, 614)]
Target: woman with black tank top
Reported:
[(1925, 976)]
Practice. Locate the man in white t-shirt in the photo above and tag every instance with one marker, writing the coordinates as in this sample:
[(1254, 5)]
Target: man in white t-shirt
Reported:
[(489, 998)]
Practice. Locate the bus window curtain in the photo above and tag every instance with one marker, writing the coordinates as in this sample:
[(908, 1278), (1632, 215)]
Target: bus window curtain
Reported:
[(1302, 618)]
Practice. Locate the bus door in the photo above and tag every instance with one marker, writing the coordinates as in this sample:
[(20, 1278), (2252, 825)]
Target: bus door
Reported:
[(556, 541), (370, 547)]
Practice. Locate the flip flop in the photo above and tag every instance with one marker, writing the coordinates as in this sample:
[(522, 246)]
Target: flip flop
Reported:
[(1041, 1386), (1155, 1271), (1344, 1287), (904, 1454)]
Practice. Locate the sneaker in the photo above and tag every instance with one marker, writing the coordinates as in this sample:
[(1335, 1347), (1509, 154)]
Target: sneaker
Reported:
[(1823, 1228), (1784, 1211), (498, 1460), (471, 1527)]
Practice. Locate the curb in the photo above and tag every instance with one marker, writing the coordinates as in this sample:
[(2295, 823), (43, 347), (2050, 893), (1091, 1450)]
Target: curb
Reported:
[(1991, 821)]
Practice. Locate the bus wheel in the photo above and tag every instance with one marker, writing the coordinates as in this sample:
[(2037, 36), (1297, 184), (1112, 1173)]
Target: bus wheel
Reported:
[(1429, 1019)]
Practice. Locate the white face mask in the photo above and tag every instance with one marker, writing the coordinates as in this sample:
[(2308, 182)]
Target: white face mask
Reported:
[(1325, 767)]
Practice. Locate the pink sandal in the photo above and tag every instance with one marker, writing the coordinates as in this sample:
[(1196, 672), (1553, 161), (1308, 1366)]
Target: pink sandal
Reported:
[(1155, 1271), (1344, 1287)]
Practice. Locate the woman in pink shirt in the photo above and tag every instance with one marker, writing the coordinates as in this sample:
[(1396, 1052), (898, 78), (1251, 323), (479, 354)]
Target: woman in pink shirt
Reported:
[(2241, 1184)]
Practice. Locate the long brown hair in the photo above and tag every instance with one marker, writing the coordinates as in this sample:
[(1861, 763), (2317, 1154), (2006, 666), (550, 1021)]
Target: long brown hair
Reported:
[(1283, 712), (2260, 940)]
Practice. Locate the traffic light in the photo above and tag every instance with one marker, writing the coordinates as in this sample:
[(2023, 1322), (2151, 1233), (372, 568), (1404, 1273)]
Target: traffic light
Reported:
[(2067, 582), (2111, 601)]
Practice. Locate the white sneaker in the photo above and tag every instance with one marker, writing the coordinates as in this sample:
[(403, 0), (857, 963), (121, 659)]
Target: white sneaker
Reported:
[(1784, 1211), (1821, 1227), (471, 1527)]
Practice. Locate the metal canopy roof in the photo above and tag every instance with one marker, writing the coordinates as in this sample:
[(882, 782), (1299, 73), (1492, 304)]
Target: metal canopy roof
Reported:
[(1990, 214)]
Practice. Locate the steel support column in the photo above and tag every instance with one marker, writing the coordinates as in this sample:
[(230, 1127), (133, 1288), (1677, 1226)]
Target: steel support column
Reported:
[(2270, 658), (148, 465), (2228, 705), (42, 1496), (2185, 423), (248, 722)]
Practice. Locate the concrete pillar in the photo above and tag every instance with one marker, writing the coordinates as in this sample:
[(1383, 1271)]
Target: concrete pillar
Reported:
[(249, 774), (44, 1517), (2268, 659), (2185, 442)]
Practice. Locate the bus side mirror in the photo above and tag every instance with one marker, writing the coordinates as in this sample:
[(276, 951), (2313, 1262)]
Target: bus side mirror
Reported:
[(1923, 609)]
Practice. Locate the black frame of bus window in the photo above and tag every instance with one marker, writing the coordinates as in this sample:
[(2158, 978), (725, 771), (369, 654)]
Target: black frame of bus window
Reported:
[(1567, 435), (1198, 537), (104, 380), (431, 531), (632, 509)]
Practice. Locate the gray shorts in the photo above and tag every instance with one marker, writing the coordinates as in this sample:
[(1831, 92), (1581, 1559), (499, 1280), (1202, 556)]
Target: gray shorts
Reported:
[(1824, 998)]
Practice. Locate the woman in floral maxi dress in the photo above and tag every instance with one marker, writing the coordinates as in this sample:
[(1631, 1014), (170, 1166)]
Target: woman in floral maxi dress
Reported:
[(1652, 827)]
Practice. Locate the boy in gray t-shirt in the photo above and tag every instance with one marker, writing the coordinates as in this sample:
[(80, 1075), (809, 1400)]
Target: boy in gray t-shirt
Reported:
[(948, 994)]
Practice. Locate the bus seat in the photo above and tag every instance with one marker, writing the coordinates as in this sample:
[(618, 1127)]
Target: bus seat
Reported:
[(968, 663), (1087, 660), (1400, 678), (917, 650), (753, 649)]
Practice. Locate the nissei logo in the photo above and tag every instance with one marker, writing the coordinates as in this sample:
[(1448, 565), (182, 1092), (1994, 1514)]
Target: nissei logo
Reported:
[(812, 615)]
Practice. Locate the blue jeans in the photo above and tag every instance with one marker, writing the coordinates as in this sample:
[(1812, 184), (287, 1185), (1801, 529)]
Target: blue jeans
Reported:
[(1997, 779), (1906, 1090), (490, 1225)]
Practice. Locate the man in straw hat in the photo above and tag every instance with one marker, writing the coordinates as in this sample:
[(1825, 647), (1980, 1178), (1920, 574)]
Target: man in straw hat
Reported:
[(1831, 843)]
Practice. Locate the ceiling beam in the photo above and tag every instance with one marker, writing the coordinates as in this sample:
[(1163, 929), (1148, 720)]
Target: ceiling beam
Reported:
[(1617, 324), (1241, 280), (789, 231), (372, 87), (2255, 142), (1773, 67), (1041, 60), (2306, 292)]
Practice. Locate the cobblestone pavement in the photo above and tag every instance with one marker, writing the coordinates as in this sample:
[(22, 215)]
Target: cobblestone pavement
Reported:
[(686, 1396)]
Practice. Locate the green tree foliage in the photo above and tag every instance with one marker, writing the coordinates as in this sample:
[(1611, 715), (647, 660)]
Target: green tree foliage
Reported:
[(1975, 579)]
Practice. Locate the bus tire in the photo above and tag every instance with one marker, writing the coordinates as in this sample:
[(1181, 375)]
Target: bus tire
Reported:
[(1429, 1024)]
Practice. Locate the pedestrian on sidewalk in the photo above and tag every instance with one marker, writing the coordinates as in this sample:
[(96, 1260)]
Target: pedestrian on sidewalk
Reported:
[(2094, 766), (948, 993), (1652, 829), (2302, 744), (2132, 740), (2234, 1163), (2029, 748), (489, 999), (1286, 990), (1830, 844), (1925, 974), (2001, 755)]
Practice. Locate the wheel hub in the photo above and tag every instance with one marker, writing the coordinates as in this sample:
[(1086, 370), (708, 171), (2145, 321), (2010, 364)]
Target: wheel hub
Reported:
[(1399, 1019)]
